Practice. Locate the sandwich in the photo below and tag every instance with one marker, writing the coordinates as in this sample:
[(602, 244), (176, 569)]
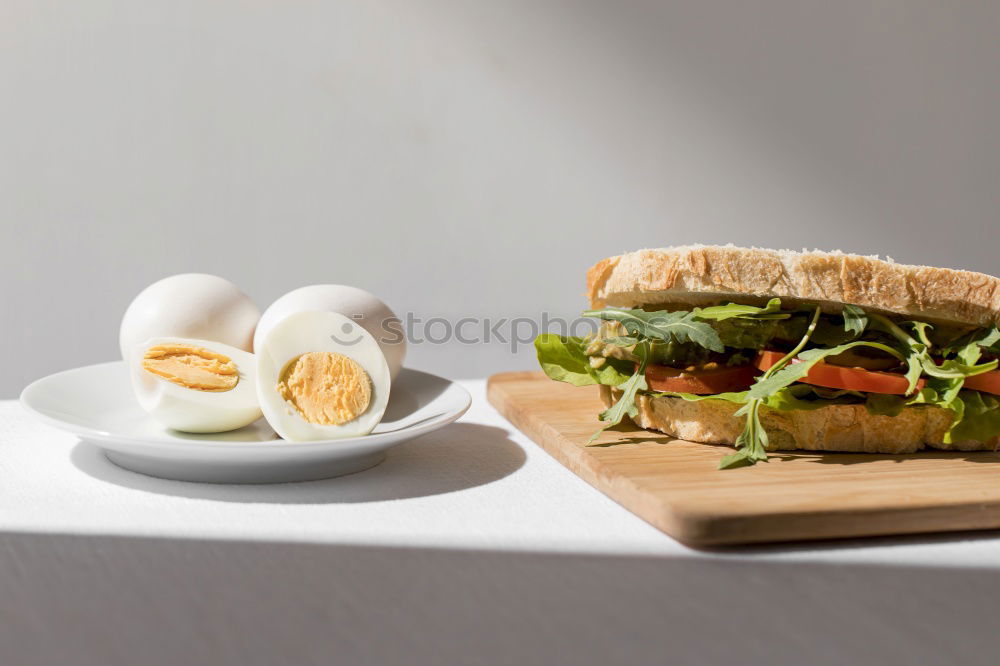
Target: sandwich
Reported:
[(770, 350)]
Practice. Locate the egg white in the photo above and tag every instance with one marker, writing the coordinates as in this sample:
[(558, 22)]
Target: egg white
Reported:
[(363, 307), (190, 305), (191, 410), (316, 331)]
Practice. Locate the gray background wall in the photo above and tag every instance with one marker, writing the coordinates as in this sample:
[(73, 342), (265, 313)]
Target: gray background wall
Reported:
[(469, 158)]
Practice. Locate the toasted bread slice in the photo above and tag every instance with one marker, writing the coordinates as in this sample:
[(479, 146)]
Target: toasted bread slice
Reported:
[(702, 275)]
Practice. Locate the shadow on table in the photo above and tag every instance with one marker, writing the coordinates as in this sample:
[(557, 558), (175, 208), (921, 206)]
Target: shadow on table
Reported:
[(107, 599), (461, 456)]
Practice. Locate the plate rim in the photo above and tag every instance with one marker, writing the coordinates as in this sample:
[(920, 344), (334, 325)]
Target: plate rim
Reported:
[(95, 435)]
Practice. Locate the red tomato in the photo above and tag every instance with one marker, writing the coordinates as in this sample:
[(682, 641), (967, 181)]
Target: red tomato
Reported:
[(838, 377), (700, 382), (988, 382)]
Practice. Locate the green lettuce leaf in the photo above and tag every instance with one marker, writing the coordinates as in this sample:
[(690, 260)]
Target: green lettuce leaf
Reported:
[(784, 400), (563, 359), (980, 418), (976, 415), (737, 397), (792, 398), (882, 404), (925, 396)]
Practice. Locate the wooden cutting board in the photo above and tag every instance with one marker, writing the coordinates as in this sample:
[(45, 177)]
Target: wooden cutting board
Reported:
[(675, 485)]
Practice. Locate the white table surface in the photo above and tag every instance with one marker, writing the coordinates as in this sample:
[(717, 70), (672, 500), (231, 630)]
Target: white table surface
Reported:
[(470, 544)]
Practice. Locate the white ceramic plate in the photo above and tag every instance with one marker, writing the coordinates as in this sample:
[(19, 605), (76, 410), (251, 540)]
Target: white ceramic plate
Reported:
[(96, 404)]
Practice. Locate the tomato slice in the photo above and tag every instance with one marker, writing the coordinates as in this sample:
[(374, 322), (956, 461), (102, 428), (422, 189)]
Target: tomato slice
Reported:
[(839, 377), (988, 382), (700, 382)]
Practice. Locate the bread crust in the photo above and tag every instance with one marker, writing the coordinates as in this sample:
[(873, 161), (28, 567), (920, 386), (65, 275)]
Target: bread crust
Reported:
[(700, 275), (832, 428)]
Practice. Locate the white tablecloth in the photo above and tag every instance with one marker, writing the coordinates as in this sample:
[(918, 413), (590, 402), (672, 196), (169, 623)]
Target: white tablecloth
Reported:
[(467, 546)]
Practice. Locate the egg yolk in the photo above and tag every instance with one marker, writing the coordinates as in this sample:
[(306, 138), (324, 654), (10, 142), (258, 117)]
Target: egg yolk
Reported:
[(326, 388), (192, 367)]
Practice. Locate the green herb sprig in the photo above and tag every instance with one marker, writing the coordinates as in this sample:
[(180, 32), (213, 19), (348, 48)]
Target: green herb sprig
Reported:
[(625, 405), (751, 445)]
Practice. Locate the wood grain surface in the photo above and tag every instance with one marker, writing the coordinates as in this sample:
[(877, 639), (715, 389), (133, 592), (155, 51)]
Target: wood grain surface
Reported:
[(675, 486)]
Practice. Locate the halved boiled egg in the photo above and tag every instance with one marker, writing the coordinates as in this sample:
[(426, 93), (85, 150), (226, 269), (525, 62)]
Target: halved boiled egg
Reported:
[(321, 376), (195, 385), (363, 307)]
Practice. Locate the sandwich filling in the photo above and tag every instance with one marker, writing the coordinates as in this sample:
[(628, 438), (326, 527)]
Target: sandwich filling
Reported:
[(784, 358)]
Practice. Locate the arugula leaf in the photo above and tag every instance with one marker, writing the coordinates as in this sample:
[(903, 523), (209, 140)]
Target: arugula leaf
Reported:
[(625, 405), (987, 339), (855, 320), (914, 368), (751, 445), (951, 395), (722, 312), (665, 326), (954, 369), (919, 360), (913, 352), (990, 341), (563, 359), (920, 329), (973, 416), (829, 332), (773, 387)]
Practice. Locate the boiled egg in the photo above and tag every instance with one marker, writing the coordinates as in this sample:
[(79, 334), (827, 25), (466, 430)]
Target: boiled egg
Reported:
[(187, 340), (321, 375), (363, 307), (195, 385), (190, 305)]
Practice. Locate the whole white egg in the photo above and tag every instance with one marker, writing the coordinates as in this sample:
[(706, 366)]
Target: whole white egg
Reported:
[(362, 307), (190, 305), (195, 385), (321, 376)]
